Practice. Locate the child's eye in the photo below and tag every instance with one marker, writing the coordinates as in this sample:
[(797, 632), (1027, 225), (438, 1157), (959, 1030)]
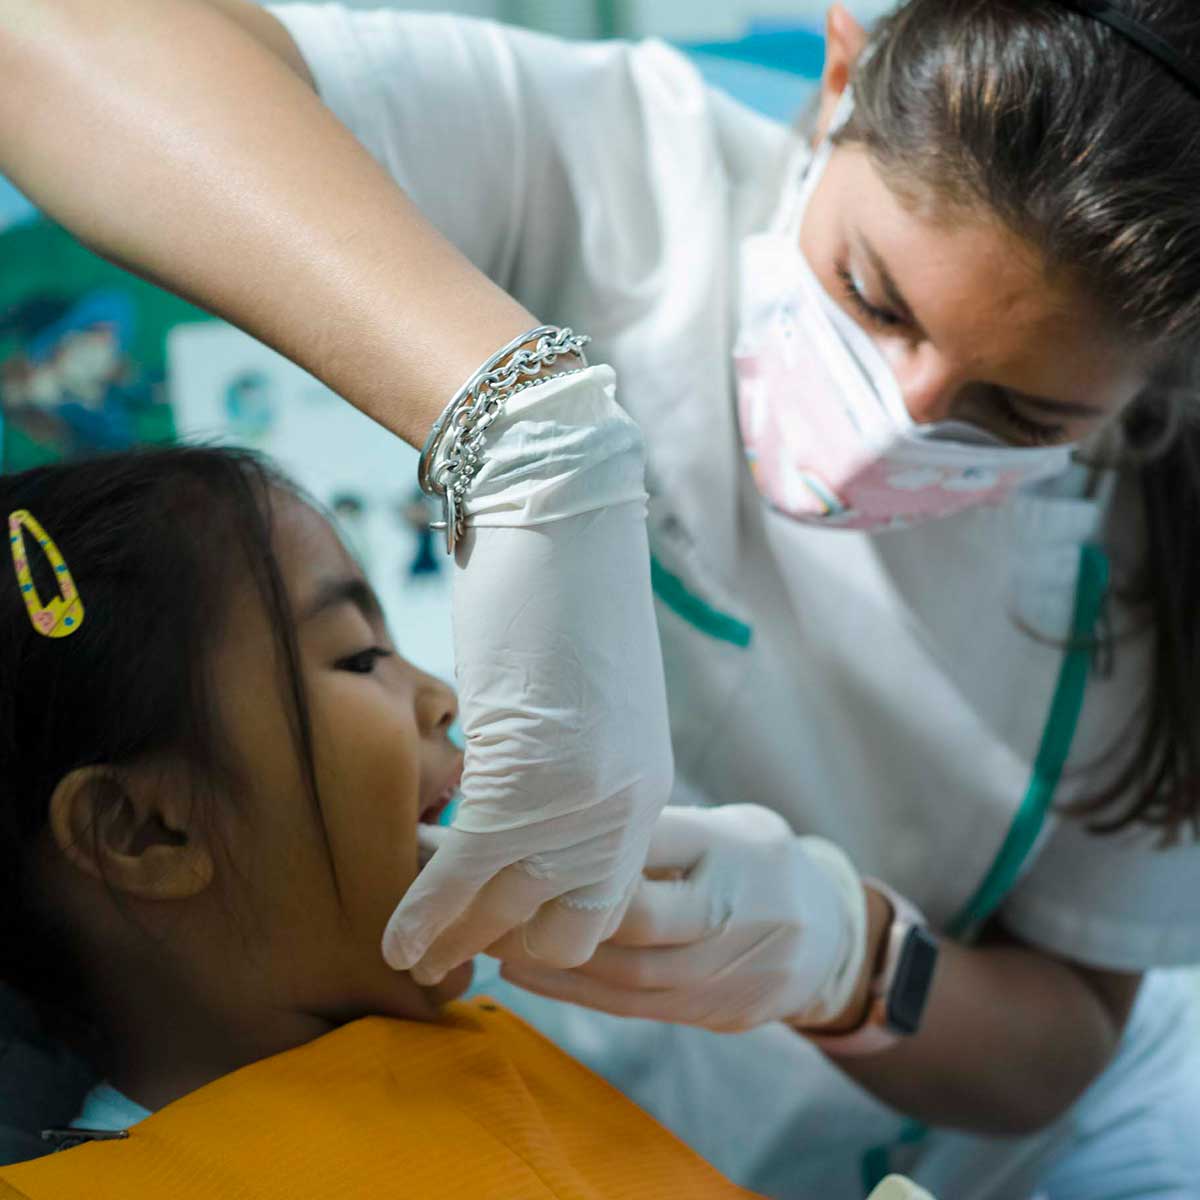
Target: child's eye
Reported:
[(883, 317), (363, 663)]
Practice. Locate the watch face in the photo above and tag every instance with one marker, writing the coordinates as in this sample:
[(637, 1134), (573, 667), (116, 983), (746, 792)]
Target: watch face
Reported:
[(910, 985)]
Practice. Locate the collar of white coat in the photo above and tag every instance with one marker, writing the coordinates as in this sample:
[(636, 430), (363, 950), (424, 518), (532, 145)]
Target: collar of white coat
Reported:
[(1051, 521)]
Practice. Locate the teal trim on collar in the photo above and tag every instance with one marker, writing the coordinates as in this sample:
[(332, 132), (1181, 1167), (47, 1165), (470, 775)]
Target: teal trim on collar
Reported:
[(698, 613), (1090, 591)]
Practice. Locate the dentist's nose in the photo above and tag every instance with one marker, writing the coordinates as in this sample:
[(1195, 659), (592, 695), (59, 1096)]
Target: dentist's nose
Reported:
[(929, 384)]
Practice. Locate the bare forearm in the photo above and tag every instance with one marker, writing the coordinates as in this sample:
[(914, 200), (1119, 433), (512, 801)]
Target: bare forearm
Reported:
[(1010, 1039), (169, 139)]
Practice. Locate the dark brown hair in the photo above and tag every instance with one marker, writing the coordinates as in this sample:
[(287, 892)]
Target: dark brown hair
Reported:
[(154, 540), (1087, 147)]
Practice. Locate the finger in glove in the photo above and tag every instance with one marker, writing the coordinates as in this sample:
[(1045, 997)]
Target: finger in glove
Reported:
[(666, 968), (708, 1007), (563, 933), (574, 988), (672, 912), (509, 900), (440, 894)]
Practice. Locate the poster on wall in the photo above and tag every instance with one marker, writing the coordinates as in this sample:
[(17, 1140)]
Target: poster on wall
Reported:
[(227, 387), (82, 348)]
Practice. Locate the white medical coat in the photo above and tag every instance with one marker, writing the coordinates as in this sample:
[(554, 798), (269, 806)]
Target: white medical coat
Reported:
[(887, 691)]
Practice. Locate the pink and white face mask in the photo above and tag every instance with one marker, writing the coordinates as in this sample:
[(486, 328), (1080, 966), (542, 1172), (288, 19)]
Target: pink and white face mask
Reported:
[(829, 438)]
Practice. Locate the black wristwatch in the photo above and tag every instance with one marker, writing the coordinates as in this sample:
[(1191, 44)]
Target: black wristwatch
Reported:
[(900, 987)]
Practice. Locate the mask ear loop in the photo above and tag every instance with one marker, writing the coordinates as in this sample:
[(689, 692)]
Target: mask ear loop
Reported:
[(806, 170), (61, 616), (854, 345)]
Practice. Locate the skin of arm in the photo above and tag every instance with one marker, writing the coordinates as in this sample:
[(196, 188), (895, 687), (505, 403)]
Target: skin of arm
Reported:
[(269, 32), (183, 140), (1011, 1036)]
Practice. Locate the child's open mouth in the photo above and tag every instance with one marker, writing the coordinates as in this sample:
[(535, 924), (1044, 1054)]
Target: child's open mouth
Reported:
[(433, 809)]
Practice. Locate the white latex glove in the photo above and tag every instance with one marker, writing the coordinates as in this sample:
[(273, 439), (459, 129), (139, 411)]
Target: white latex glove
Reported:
[(738, 922), (561, 692)]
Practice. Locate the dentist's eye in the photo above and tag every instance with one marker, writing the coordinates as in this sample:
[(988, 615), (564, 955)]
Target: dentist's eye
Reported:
[(883, 317), (364, 662), (1033, 433)]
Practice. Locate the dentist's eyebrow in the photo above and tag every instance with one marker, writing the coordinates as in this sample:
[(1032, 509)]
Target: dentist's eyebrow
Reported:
[(349, 590)]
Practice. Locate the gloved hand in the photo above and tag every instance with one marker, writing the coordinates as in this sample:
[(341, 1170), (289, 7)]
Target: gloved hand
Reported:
[(561, 692), (738, 922)]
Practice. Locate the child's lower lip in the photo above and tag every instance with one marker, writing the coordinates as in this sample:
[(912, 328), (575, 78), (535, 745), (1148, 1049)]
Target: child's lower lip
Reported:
[(430, 815)]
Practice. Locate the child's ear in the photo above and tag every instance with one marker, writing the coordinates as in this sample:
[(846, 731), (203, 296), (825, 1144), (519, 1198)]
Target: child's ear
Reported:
[(139, 838), (844, 42)]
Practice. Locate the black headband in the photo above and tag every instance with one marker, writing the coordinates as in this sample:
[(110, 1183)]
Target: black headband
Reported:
[(1145, 39)]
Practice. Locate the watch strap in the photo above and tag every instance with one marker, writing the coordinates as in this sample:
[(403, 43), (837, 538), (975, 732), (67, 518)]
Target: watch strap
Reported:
[(899, 988)]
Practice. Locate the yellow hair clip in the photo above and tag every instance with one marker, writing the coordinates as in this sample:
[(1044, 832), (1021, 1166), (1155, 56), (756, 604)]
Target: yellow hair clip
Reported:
[(61, 616)]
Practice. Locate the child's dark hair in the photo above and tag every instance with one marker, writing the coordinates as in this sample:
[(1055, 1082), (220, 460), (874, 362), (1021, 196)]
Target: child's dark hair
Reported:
[(154, 540), (1085, 145)]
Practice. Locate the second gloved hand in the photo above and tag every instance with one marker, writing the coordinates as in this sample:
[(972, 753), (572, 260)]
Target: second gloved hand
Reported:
[(738, 922)]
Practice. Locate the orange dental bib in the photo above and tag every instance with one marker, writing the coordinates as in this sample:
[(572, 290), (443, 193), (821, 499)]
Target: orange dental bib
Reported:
[(474, 1107)]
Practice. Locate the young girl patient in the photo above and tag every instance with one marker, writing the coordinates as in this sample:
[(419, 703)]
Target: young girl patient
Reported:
[(214, 765)]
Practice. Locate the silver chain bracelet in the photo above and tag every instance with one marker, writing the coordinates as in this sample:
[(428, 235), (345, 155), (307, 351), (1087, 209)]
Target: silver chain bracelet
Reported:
[(453, 451)]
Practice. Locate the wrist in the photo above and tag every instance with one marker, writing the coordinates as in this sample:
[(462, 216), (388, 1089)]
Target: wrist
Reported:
[(854, 1014), (901, 978)]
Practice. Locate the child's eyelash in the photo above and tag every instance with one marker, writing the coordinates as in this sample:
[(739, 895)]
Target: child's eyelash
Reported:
[(363, 663), (879, 316)]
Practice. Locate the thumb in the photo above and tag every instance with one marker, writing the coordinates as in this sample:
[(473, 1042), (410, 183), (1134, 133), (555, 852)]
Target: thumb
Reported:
[(430, 839), (681, 838), (673, 912)]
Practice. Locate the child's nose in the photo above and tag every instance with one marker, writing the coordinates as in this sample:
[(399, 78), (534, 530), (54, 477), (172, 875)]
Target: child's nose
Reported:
[(437, 705)]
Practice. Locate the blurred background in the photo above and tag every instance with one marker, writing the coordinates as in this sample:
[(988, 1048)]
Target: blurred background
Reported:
[(680, 20), (92, 359)]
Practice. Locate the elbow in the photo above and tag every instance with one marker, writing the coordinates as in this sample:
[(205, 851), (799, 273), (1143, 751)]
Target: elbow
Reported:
[(1017, 1117), (1071, 1066), (1033, 1103)]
